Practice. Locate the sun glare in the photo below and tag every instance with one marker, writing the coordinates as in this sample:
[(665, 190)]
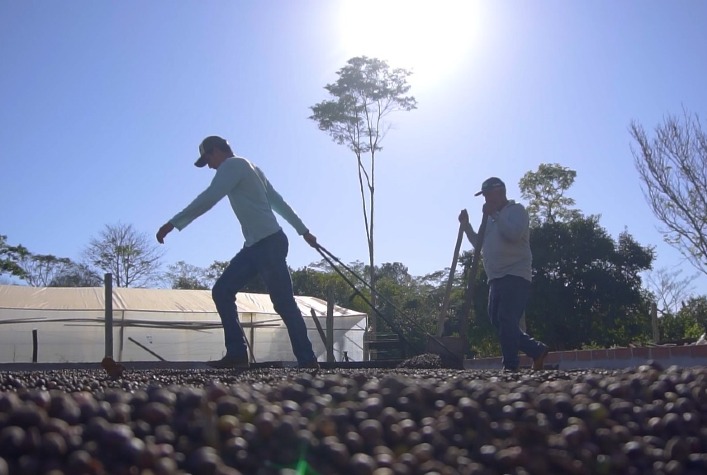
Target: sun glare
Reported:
[(429, 37)]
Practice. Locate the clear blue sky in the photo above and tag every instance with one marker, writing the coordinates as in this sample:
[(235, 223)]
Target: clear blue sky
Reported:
[(103, 105)]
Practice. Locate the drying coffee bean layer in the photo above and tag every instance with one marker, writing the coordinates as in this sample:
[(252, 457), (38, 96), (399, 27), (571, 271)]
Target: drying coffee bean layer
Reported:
[(415, 419)]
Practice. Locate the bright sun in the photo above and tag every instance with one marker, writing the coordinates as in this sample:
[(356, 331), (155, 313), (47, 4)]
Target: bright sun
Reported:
[(428, 37)]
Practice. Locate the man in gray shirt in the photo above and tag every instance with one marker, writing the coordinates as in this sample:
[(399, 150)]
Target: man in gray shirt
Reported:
[(505, 251), (264, 252)]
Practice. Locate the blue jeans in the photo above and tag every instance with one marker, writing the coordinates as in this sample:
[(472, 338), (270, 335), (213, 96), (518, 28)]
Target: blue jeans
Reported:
[(508, 296), (266, 257)]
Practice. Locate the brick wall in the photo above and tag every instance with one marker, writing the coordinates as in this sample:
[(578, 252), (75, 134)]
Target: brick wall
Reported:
[(610, 358)]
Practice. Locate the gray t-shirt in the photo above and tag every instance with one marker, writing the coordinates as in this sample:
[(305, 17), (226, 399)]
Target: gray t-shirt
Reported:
[(506, 246)]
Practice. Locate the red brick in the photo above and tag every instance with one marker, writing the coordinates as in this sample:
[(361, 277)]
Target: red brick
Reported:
[(488, 360), (699, 351), (680, 351), (568, 355), (642, 352), (584, 355), (622, 353), (598, 354), (660, 352)]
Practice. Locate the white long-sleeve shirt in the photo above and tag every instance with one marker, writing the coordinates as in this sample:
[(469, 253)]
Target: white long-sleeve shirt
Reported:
[(252, 198), (506, 246)]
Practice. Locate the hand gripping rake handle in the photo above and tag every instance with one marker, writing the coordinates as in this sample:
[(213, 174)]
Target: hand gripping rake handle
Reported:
[(448, 291), (471, 282)]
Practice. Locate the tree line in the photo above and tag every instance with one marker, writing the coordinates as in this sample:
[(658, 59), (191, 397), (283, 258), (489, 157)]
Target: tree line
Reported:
[(587, 286)]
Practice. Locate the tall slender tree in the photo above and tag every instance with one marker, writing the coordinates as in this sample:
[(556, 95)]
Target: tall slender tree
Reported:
[(363, 96)]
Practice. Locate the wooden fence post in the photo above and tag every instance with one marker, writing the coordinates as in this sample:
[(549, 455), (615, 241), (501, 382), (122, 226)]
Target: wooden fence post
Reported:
[(108, 280), (35, 345), (654, 323), (330, 329)]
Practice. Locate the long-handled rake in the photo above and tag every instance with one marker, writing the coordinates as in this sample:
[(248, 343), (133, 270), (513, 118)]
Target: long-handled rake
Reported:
[(442, 348), (442, 344)]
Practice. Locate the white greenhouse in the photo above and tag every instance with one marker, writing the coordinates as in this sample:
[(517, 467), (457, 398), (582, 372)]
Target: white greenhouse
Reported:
[(60, 325)]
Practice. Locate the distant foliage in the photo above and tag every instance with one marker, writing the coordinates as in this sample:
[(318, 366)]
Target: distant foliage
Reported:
[(41, 269), (545, 191), (77, 275), (9, 258), (668, 289), (586, 286), (672, 165), (687, 324), (129, 255), (185, 276)]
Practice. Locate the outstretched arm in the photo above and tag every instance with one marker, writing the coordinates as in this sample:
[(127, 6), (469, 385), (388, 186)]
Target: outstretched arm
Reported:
[(227, 177)]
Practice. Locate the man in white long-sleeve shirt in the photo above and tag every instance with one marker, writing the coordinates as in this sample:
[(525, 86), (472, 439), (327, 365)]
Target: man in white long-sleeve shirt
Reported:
[(505, 250), (264, 252)]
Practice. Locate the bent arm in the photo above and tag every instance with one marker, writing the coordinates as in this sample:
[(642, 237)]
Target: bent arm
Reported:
[(471, 235), (280, 206), (513, 223)]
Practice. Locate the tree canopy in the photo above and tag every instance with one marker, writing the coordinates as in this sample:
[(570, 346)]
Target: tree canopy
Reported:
[(688, 323), (127, 254), (10, 256), (672, 165), (545, 191), (40, 270), (586, 286), (77, 275), (185, 276)]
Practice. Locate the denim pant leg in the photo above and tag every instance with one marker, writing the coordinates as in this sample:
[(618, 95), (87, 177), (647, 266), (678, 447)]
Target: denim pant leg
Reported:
[(530, 346), (236, 275), (271, 261), (508, 296)]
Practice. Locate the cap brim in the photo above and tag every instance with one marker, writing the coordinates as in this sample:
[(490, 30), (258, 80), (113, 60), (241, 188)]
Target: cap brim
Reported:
[(492, 187), (200, 162)]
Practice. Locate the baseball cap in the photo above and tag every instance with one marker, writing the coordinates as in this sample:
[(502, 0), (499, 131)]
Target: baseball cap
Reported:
[(490, 184), (206, 145)]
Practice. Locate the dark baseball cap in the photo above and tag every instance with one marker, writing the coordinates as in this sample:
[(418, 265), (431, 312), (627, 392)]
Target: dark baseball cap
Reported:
[(490, 184), (207, 145)]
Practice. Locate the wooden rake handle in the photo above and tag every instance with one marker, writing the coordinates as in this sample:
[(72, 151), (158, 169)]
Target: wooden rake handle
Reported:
[(448, 291)]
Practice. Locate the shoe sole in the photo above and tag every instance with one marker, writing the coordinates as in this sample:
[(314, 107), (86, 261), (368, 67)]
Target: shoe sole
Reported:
[(220, 365)]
